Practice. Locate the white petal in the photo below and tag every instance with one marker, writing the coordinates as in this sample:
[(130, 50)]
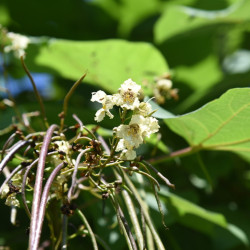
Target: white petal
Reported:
[(99, 115)]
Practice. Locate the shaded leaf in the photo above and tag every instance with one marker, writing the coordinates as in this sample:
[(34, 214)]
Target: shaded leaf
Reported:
[(198, 218), (187, 19), (129, 13)]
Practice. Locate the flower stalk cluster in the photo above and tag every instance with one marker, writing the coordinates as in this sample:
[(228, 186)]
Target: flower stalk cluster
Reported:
[(59, 164)]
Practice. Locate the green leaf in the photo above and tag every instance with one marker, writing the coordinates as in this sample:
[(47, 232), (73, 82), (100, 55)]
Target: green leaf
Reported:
[(186, 19), (108, 62), (222, 124), (198, 218), (129, 13), (160, 113)]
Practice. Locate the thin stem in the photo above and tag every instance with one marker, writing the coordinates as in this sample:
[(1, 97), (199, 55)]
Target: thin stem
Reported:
[(91, 234), (82, 126), (204, 169), (124, 224), (38, 97), (38, 186), (24, 183), (176, 154), (23, 187), (10, 155), (134, 220), (64, 232), (151, 178), (159, 174), (7, 143), (73, 183), (156, 237), (66, 100)]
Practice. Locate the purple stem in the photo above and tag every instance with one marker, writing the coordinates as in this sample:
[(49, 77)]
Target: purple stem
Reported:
[(11, 153), (43, 204), (7, 143), (73, 183), (24, 183), (38, 186)]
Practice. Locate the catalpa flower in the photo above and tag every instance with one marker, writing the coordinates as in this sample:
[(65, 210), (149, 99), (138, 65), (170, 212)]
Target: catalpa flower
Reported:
[(144, 109), (107, 101), (18, 44), (132, 135), (127, 154), (128, 95)]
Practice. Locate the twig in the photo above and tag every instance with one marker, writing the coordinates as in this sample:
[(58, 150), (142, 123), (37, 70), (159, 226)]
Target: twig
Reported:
[(124, 224), (66, 100), (159, 174), (7, 143), (64, 232), (11, 153), (91, 234), (36, 92), (173, 155), (73, 184)]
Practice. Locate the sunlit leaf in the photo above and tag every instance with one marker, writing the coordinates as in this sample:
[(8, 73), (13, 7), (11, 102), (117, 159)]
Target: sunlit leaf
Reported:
[(222, 124), (108, 62)]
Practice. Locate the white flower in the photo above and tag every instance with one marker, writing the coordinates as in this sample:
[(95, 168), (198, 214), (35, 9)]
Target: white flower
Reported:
[(132, 135), (107, 101), (128, 155), (148, 125), (18, 44), (163, 90), (164, 84), (144, 109), (128, 95)]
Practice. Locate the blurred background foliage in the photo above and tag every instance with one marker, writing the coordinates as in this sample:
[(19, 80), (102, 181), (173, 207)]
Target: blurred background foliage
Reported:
[(205, 45)]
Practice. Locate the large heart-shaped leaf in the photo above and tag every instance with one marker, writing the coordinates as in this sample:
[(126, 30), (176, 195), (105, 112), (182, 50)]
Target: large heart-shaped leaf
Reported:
[(223, 124), (108, 62)]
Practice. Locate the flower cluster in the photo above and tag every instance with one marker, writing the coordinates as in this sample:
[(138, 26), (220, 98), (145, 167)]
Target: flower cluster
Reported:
[(141, 124), (18, 44), (164, 89)]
